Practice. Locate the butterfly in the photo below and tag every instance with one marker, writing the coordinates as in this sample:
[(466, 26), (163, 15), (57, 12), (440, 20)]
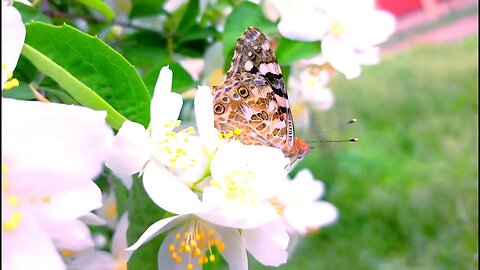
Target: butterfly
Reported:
[(253, 99)]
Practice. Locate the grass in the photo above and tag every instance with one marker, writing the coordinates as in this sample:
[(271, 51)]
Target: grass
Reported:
[(407, 192)]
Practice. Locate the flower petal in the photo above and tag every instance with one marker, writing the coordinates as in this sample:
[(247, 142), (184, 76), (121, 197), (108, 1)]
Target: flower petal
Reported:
[(28, 248), (72, 235), (119, 239), (167, 191), (297, 24), (267, 243), (92, 260), (165, 106), (234, 252), (13, 37), (131, 150), (53, 142), (310, 216), (156, 229), (70, 204), (341, 56), (204, 116)]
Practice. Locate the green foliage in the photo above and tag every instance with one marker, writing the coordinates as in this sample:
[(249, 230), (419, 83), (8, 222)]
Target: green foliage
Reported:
[(290, 51), (89, 71), (407, 192), (101, 7), (143, 212)]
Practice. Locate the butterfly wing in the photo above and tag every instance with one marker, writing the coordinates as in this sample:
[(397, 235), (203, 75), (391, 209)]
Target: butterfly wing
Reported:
[(254, 55), (247, 102)]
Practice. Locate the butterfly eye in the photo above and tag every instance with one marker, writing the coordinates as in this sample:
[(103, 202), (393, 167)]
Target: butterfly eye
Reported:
[(219, 109), (243, 92), (225, 99)]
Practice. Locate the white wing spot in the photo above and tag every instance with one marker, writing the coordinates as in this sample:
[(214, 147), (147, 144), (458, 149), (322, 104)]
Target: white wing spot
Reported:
[(265, 46), (248, 65)]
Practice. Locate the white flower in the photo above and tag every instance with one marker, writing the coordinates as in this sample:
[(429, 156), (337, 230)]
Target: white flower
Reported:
[(298, 202), (309, 85), (349, 30), (243, 178), (180, 153), (47, 169), (13, 37), (195, 230), (96, 259)]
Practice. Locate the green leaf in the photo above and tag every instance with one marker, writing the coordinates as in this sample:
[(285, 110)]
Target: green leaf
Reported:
[(144, 49), (143, 8), (30, 13), (142, 213), (182, 81), (91, 72), (189, 18), (289, 51), (244, 15), (101, 7), (21, 92)]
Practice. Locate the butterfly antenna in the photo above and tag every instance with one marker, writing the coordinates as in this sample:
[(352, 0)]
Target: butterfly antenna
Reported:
[(355, 139), (353, 120)]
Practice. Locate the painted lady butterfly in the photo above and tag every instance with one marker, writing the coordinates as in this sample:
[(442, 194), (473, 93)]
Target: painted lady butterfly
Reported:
[(253, 98)]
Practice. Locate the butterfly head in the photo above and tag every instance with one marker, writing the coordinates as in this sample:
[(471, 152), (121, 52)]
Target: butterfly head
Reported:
[(299, 149)]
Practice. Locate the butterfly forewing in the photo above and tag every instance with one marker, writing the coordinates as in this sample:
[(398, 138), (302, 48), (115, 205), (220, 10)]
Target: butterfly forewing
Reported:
[(254, 98)]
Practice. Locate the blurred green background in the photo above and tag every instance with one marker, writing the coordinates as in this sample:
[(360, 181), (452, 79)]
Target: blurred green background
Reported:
[(407, 192)]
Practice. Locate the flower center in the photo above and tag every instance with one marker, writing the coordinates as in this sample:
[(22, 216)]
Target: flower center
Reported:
[(337, 29), (171, 150), (239, 186), (11, 82), (193, 244), (11, 214)]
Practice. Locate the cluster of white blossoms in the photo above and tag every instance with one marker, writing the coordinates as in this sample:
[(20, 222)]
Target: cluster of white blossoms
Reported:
[(221, 193)]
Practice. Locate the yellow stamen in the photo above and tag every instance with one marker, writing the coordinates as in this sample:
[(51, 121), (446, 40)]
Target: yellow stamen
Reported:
[(337, 29), (13, 200), (237, 131), (12, 223), (11, 83), (67, 253), (46, 199)]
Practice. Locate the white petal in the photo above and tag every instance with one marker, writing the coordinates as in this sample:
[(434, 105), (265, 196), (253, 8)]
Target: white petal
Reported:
[(232, 215), (165, 106), (72, 235), (131, 150), (93, 260), (119, 239), (156, 229), (311, 216), (234, 252), (372, 28), (13, 37), (53, 142), (167, 191), (28, 248), (165, 260), (303, 24), (204, 117), (267, 243), (92, 219), (341, 56), (70, 204)]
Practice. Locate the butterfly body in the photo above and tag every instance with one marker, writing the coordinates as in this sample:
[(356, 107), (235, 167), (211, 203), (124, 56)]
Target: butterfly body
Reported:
[(254, 99)]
